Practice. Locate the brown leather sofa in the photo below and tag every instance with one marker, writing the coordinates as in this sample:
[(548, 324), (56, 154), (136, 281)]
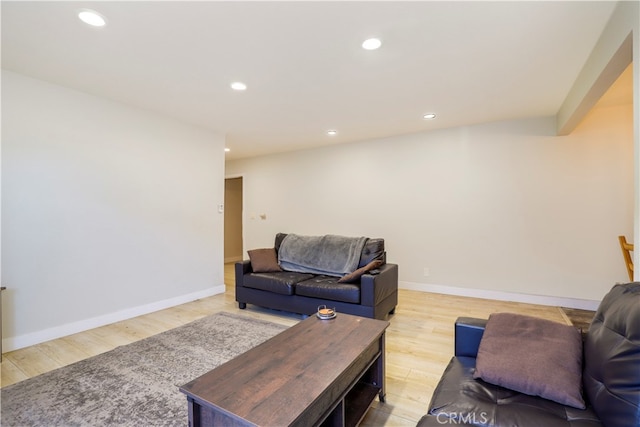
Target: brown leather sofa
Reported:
[(374, 295), (610, 377)]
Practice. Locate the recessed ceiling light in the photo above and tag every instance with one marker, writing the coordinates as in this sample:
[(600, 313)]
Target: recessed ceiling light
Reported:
[(332, 132), (371, 44), (429, 116), (92, 18), (226, 150), (238, 86)]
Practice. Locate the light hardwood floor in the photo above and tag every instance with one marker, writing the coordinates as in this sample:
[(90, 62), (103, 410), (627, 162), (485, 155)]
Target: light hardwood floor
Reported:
[(419, 343)]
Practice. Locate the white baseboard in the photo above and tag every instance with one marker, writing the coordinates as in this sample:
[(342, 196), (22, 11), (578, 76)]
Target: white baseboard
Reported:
[(26, 340), (583, 304)]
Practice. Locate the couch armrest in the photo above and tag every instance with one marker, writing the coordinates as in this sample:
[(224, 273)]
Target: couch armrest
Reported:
[(468, 333), (375, 288), (242, 268)]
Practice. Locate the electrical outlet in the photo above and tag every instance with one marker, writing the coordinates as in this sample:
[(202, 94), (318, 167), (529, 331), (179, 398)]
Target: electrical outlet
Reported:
[(426, 272)]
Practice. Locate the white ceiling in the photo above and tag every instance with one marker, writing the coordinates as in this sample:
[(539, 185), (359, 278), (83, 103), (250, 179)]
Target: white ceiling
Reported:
[(468, 62)]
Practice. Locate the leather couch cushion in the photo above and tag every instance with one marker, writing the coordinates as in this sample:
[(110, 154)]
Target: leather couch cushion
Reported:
[(533, 356), (327, 287), (611, 374), (459, 399), (280, 283)]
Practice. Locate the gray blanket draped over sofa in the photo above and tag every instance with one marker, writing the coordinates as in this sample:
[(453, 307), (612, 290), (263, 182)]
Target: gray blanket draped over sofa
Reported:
[(329, 254)]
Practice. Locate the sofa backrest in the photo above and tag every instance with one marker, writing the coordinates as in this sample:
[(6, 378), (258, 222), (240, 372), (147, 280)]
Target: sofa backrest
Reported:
[(279, 238), (611, 375), (373, 249)]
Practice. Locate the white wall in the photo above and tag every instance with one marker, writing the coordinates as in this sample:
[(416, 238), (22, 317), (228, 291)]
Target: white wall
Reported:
[(618, 45), (107, 211), (506, 207)]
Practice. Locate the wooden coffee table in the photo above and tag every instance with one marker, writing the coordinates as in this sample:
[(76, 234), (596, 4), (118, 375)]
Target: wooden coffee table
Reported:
[(318, 372)]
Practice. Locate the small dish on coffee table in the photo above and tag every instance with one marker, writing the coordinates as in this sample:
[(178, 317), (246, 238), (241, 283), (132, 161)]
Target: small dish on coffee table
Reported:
[(326, 317), (326, 313)]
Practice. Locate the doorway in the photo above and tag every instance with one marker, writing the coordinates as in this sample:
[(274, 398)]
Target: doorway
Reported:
[(233, 220)]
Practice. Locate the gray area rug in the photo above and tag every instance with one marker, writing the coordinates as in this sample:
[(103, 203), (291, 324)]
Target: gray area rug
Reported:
[(136, 384)]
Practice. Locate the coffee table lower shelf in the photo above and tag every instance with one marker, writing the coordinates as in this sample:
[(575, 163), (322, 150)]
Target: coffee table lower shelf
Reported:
[(353, 407)]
